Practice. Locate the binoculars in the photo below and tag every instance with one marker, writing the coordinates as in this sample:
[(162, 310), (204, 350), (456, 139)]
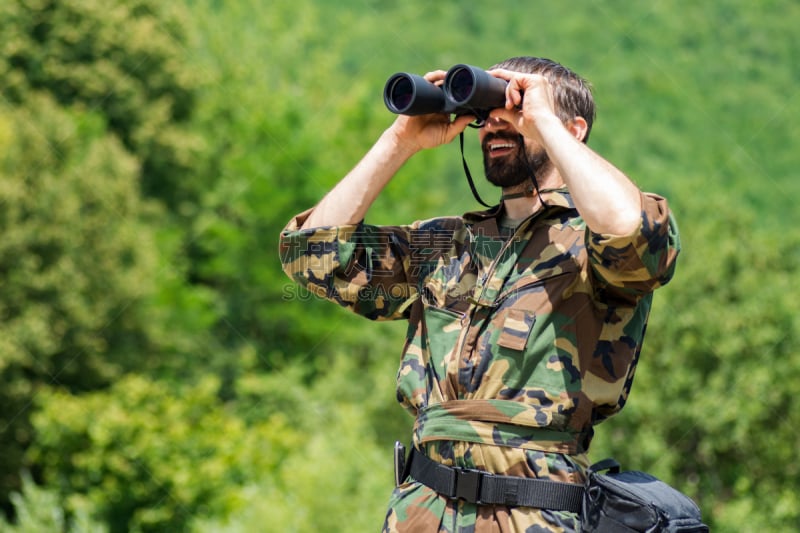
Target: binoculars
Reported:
[(466, 90)]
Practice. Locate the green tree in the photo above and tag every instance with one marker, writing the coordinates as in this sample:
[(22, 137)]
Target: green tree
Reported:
[(145, 457), (39, 509), (94, 143), (122, 60), (723, 427), (76, 259)]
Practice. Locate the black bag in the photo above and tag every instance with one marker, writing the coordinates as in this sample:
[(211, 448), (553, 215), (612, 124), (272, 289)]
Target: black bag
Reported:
[(623, 502)]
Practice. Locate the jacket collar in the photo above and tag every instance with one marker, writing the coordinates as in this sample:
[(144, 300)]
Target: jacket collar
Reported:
[(554, 200)]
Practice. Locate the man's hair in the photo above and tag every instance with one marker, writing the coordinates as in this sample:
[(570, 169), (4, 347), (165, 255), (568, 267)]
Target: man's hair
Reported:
[(573, 94)]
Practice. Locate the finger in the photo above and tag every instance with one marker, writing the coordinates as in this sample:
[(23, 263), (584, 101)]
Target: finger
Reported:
[(458, 125), (513, 93), (501, 73), (435, 76), (462, 121)]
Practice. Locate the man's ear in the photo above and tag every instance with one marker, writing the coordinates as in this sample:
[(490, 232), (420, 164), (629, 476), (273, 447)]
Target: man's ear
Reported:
[(578, 127)]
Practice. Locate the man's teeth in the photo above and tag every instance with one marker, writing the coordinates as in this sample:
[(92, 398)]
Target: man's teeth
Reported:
[(502, 145)]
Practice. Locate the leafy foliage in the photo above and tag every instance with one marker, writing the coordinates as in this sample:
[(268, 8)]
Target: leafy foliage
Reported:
[(88, 289), (39, 509), (121, 60), (74, 229), (148, 459), (732, 400)]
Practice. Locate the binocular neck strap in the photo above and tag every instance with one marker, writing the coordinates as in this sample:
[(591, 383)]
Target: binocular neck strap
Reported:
[(469, 176)]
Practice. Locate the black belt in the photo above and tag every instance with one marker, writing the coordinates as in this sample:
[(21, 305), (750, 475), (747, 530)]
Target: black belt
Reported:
[(484, 488)]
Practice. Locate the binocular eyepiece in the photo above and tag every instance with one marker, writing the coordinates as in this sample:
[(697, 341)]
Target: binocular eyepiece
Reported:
[(466, 90)]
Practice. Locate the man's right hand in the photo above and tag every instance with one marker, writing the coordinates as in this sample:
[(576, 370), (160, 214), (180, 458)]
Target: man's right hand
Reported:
[(415, 133)]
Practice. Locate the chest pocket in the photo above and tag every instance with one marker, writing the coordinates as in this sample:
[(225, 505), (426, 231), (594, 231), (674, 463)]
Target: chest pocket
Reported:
[(451, 285), (516, 329), (520, 306)]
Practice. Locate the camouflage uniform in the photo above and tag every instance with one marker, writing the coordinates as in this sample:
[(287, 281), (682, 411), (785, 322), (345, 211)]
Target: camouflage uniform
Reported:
[(516, 345)]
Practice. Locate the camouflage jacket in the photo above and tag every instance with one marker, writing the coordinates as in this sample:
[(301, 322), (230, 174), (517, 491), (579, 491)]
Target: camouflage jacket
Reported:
[(524, 341)]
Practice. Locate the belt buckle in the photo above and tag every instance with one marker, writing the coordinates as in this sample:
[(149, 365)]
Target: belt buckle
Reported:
[(468, 484)]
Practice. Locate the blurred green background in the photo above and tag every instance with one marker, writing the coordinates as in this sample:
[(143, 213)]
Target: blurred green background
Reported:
[(158, 372)]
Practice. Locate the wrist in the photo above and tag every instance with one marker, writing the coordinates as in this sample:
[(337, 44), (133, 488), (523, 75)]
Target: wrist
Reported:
[(398, 143), (548, 122), (552, 132)]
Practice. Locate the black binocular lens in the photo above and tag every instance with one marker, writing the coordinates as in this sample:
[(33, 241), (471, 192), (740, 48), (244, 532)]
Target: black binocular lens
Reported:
[(409, 94), (460, 84), (474, 90), (400, 92)]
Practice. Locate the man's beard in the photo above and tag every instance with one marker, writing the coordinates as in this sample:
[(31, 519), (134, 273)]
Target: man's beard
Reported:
[(514, 169)]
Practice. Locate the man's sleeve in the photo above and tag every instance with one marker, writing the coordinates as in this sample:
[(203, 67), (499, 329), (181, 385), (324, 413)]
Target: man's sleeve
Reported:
[(630, 266), (361, 267)]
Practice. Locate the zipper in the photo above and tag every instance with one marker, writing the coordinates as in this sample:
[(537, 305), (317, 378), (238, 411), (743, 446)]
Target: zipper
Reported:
[(467, 323)]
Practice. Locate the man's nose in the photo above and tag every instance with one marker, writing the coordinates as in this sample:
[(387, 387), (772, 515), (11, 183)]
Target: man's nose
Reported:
[(495, 124)]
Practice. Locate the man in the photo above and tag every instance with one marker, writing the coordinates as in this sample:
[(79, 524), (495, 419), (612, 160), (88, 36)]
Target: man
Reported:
[(525, 320)]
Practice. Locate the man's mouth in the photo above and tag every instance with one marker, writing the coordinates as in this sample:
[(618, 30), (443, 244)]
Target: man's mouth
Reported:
[(500, 148)]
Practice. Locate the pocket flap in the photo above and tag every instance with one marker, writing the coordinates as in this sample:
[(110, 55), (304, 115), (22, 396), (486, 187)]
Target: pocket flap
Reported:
[(516, 328)]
